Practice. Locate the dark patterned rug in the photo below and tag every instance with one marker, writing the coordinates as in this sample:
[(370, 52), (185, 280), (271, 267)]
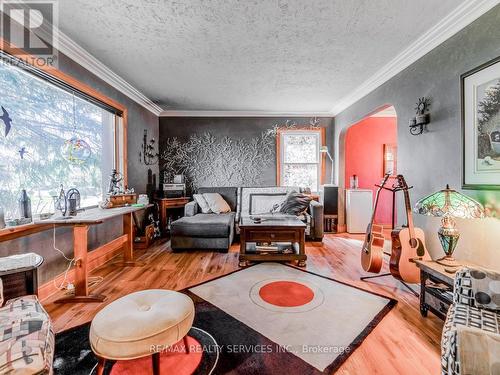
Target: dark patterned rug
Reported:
[(228, 347)]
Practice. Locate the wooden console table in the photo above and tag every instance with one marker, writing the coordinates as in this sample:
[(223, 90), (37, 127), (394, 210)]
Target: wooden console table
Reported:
[(166, 204), (81, 224), (272, 230)]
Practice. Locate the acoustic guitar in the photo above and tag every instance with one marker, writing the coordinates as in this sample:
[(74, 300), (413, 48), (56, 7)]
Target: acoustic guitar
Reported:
[(408, 244), (373, 247)]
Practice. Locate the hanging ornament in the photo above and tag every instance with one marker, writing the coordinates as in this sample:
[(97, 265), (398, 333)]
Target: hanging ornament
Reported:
[(75, 150)]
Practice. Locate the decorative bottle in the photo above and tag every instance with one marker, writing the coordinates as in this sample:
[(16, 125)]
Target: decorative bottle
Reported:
[(2, 218), (24, 205)]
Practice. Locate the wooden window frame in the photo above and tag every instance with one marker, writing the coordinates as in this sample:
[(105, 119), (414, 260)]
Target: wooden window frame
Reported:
[(279, 147), (8, 234)]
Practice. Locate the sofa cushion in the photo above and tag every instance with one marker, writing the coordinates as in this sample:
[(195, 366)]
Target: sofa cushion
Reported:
[(295, 203), (204, 225), (202, 202), (261, 200), (230, 194), (216, 203)]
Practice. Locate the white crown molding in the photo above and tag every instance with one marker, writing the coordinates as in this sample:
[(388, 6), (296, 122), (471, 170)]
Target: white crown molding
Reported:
[(64, 44), (459, 18), (172, 113), (75, 52)]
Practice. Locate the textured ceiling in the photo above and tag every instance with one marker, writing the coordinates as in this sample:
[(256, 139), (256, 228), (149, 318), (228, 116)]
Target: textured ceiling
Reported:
[(248, 55)]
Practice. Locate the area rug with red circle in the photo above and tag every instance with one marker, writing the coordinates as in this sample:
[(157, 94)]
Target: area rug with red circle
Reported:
[(265, 319)]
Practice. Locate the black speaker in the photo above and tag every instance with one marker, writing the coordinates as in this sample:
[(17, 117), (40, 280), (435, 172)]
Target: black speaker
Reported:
[(330, 199)]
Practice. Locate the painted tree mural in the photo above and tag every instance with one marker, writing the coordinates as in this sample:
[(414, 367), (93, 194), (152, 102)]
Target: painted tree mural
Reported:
[(206, 160)]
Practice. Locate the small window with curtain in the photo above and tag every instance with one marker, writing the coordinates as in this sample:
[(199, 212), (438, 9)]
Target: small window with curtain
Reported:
[(299, 159), (52, 135)]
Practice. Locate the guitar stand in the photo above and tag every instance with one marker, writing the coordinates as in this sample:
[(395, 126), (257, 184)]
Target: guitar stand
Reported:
[(389, 274), (393, 190)]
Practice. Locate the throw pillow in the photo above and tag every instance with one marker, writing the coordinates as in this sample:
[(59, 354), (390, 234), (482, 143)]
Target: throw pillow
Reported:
[(265, 203), (295, 203), (202, 202), (216, 203), (485, 285)]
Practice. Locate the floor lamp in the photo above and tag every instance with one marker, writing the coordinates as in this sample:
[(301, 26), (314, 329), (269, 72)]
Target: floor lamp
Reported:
[(324, 150)]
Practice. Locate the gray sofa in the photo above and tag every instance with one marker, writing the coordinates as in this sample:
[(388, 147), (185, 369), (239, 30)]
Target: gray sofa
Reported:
[(217, 231)]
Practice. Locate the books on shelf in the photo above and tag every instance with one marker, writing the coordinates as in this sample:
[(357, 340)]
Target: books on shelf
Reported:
[(266, 247), (274, 247)]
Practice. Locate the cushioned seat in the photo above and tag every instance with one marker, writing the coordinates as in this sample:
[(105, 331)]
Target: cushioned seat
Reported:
[(131, 326), (27, 339), (204, 225)]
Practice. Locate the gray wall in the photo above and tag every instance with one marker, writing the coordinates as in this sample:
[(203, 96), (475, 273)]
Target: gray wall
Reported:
[(238, 129), (432, 160), (138, 119)]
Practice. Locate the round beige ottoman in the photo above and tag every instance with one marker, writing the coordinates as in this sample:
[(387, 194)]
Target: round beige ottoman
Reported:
[(141, 324)]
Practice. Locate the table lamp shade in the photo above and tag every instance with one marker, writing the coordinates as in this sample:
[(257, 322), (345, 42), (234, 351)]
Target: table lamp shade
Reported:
[(449, 204)]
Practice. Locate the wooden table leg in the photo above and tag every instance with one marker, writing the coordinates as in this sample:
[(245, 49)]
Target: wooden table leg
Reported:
[(243, 248), (186, 343), (128, 247), (423, 282), (80, 243), (163, 219), (302, 248), (100, 366)]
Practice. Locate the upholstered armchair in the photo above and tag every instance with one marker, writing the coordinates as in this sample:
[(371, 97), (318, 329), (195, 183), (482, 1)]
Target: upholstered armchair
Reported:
[(470, 342), (26, 337)]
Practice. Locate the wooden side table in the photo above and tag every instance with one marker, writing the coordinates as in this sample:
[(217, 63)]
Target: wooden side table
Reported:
[(436, 287), (19, 274), (166, 204)]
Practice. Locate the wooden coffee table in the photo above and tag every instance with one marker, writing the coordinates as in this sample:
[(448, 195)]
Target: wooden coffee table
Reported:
[(282, 230)]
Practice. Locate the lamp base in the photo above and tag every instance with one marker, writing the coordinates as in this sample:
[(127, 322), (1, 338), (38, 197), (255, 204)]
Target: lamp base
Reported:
[(448, 261)]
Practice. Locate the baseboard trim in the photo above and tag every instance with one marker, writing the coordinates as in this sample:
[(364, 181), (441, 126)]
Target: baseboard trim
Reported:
[(96, 258)]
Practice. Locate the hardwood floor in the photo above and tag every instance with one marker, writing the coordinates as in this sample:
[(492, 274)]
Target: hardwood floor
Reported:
[(403, 343)]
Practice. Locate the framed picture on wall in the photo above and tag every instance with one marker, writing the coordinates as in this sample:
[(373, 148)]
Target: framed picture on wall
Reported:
[(390, 159), (480, 90)]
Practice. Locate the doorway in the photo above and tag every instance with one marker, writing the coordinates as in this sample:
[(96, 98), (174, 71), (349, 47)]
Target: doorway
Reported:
[(370, 151)]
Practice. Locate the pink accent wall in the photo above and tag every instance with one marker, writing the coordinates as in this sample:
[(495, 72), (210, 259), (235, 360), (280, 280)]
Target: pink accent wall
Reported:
[(364, 157)]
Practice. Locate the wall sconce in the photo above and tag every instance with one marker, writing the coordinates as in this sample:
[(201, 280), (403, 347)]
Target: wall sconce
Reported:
[(148, 155), (423, 117)]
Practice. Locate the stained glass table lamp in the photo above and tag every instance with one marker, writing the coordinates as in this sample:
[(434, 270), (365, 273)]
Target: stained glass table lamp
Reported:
[(449, 204)]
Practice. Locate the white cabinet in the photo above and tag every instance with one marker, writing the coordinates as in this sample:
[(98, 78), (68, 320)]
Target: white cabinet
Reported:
[(359, 205)]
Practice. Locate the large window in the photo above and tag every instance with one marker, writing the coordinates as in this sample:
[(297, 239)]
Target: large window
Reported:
[(56, 137), (299, 158)]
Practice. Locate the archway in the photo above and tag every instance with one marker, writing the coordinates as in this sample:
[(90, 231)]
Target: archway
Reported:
[(368, 149)]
